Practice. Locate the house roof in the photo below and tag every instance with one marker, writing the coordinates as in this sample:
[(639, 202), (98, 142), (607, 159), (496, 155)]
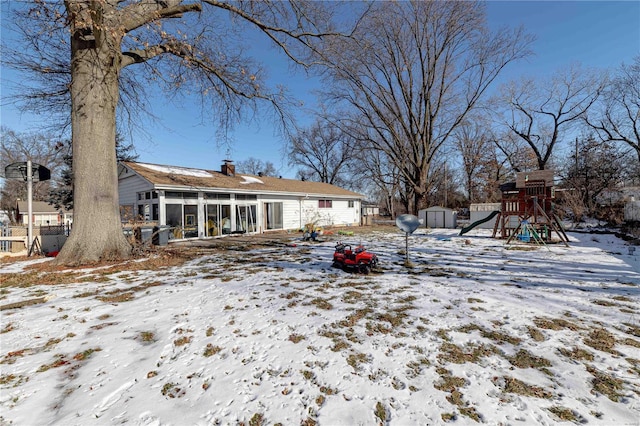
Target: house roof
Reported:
[(37, 207), (174, 177)]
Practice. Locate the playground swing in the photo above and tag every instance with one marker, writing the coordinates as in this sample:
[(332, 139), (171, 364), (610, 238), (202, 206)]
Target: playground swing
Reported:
[(526, 232)]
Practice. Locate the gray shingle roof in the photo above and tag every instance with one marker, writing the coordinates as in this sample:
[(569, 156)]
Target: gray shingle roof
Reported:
[(201, 179)]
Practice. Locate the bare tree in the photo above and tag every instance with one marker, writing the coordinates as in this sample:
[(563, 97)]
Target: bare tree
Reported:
[(255, 166), (411, 74), (540, 113), (20, 147), (592, 170), (189, 45), (618, 118), (474, 143), (323, 152)]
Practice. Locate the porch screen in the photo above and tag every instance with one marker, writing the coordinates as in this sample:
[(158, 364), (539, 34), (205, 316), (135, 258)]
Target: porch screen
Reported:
[(273, 215), (174, 219)]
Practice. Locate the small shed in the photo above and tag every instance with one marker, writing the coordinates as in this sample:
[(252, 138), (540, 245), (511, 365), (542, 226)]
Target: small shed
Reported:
[(438, 217)]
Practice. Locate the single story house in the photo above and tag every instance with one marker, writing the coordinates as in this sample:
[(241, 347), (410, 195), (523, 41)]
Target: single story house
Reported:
[(44, 214), (438, 217), (199, 203)]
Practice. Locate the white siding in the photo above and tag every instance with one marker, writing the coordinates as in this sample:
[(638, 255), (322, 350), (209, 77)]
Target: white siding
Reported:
[(298, 211), (128, 188), (339, 214)]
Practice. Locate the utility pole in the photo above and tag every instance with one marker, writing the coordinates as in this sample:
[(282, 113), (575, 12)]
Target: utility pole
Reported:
[(29, 206)]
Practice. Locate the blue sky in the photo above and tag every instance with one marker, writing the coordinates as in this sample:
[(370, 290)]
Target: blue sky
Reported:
[(595, 34)]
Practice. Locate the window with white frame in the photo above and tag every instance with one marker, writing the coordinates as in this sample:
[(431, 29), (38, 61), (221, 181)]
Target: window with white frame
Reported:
[(325, 204)]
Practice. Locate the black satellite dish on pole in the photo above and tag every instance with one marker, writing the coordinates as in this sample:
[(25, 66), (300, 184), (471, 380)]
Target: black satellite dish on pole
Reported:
[(407, 223), (19, 171)]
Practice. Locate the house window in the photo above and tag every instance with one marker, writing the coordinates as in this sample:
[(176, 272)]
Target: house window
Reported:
[(246, 197), (324, 204), (216, 196), (273, 215), (173, 194), (351, 204), (179, 195)]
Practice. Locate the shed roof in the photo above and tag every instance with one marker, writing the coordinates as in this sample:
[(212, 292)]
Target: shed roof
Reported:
[(437, 209), (202, 179)]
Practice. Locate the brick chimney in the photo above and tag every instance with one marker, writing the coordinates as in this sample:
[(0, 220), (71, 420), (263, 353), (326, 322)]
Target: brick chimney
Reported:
[(228, 168)]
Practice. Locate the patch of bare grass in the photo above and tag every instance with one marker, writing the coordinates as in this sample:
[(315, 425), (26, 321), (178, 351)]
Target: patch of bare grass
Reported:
[(7, 328), (602, 302), (172, 390), (601, 340), (211, 350), (512, 385), (536, 334), (321, 303), (577, 354), (296, 338), (555, 324), (630, 342), (496, 336), (564, 414), (452, 384), (381, 413), (356, 358), (147, 337), (633, 329), (472, 352), (606, 384), (525, 359)]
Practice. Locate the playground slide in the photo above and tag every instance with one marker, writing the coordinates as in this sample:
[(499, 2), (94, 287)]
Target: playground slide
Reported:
[(478, 222)]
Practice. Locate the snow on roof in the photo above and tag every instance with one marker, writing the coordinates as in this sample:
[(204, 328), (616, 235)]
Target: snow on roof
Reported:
[(178, 170), (250, 179)]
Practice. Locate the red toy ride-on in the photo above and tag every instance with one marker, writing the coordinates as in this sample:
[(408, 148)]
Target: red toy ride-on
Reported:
[(359, 260)]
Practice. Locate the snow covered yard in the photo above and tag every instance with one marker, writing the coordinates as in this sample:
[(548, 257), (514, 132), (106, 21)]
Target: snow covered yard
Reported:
[(475, 331)]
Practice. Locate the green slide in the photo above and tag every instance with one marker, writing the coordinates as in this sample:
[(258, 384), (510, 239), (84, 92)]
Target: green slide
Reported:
[(478, 222)]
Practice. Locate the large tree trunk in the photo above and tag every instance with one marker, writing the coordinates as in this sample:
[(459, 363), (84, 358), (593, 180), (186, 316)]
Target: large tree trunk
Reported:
[(97, 232)]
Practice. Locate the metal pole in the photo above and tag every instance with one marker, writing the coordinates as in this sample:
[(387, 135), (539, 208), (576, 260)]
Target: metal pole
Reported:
[(406, 240), (29, 207)]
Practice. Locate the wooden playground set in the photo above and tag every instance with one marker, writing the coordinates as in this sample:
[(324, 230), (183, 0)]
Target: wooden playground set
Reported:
[(527, 210)]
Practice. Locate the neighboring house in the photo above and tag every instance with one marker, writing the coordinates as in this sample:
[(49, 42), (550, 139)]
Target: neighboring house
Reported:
[(198, 203), (370, 209), (44, 214)]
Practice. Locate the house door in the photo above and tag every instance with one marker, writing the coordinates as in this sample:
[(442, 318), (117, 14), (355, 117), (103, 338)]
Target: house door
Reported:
[(246, 218), (218, 219), (190, 221)]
